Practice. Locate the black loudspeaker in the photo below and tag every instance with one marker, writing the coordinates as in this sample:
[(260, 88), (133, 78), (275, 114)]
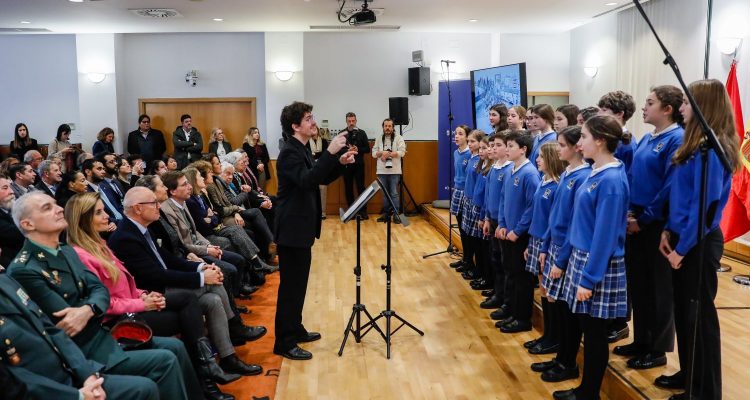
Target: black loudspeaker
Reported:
[(419, 81), (398, 110)]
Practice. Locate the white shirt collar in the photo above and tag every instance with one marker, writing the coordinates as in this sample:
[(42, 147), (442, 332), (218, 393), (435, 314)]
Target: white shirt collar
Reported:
[(582, 166), (140, 227), (613, 164), (665, 130), (176, 203), (520, 166)]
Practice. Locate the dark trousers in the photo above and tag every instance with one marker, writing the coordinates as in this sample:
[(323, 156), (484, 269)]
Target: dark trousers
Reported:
[(707, 356), (509, 283), (570, 334), (483, 263), (650, 290), (294, 267), (523, 281), (354, 173), (182, 316), (496, 264), (550, 316), (231, 264), (595, 356)]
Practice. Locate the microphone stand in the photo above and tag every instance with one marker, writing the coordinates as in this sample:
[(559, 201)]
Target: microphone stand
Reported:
[(451, 249), (711, 143)]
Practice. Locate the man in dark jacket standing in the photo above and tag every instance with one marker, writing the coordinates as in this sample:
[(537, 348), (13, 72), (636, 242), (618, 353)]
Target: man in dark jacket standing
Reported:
[(355, 173), (188, 142), (147, 142), (298, 211)]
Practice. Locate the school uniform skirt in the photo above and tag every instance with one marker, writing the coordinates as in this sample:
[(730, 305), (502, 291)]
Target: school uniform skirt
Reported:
[(471, 219), (457, 200), (610, 296), (551, 286), (532, 261)]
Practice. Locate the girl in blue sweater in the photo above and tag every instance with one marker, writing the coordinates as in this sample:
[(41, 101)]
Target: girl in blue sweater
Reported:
[(483, 279), (460, 160), (680, 240), (594, 285), (470, 215), (548, 162)]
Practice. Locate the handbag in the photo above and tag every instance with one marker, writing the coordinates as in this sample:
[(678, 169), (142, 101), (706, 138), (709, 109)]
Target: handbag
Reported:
[(132, 333)]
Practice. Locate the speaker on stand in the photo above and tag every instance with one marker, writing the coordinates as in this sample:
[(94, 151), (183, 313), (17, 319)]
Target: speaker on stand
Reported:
[(398, 111)]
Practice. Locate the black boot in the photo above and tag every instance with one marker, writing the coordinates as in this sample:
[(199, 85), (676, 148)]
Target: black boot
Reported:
[(212, 392), (209, 369)]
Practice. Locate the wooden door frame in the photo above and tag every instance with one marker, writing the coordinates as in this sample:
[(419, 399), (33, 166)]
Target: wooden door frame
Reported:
[(161, 100)]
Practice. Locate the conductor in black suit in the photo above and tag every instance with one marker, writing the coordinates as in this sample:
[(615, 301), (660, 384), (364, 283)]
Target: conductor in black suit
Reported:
[(298, 221)]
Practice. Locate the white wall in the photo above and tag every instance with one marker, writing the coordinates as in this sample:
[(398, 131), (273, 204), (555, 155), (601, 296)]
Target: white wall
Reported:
[(593, 44), (359, 71), (547, 59), (284, 52), (39, 84), (154, 66)]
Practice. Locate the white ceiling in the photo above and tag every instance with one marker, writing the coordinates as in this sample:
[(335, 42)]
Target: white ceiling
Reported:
[(107, 16)]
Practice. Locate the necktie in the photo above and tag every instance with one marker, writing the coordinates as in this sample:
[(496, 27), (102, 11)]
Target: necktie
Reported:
[(115, 188), (109, 205), (153, 249)]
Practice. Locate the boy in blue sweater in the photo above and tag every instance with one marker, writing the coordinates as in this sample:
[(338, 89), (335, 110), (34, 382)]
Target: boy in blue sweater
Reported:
[(513, 221)]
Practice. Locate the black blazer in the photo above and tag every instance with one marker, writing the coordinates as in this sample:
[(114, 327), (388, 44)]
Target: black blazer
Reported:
[(155, 137), (182, 147), (18, 153), (43, 187), (130, 246), (254, 159), (214, 146), (102, 147), (11, 239), (298, 207)]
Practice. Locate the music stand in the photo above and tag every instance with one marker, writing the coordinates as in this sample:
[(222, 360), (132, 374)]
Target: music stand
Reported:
[(358, 308), (388, 313)]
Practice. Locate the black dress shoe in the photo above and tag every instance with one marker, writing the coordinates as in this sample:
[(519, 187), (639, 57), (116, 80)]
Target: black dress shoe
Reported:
[(501, 313), (544, 365), (468, 275), (233, 365), (492, 302), (248, 289), (456, 264), (569, 394), (488, 293), (212, 392), (544, 348), (558, 373), (516, 326), (618, 334), (630, 350), (480, 285), (295, 353), (309, 337), (247, 333), (675, 381), (533, 342), (649, 360)]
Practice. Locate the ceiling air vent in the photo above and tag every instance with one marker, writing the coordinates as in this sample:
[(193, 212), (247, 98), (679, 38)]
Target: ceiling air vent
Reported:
[(343, 27), (23, 30), (158, 13)]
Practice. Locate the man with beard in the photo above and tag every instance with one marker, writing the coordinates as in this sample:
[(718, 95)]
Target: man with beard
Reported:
[(11, 239), (95, 175)]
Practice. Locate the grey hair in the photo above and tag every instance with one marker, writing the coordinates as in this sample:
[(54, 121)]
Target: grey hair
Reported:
[(232, 157), (44, 166), (225, 166), (130, 197), (147, 181), (22, 209), (29, 156)]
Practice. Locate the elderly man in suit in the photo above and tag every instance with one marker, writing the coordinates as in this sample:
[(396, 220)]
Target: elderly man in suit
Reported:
[(156, 269), (11, 239), (298, 221), (188, 142), (51, 175), (74, 298)]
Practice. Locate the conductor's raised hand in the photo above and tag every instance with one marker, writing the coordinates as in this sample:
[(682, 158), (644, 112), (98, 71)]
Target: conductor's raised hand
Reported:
[(348, 157), (337, 143)]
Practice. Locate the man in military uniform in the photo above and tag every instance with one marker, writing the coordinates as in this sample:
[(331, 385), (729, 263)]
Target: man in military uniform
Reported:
[(69, 294), (48, 363)]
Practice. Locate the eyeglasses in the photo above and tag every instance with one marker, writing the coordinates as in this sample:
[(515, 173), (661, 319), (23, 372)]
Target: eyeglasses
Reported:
[(154, 203)]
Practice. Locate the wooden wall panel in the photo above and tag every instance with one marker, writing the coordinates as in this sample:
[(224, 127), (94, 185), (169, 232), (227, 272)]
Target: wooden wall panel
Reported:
[(420, 175), (233, 115)]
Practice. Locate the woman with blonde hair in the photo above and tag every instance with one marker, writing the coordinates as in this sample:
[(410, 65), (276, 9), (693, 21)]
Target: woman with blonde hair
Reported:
[(168, 314), (218, 144), (104, 140), (258, 153)]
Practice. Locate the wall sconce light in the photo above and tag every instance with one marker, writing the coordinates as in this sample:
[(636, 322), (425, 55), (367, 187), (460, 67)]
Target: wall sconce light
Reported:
[(728, 45), (284, 75), (591, 71), (96, 77)]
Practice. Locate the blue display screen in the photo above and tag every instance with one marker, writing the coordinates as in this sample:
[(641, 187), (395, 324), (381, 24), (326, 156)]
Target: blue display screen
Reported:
[(505, 84)]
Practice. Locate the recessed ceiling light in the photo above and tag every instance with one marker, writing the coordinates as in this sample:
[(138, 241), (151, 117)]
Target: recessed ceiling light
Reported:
[(473, 20), (219, 19), (25, 22), (76, 1), (610, 4)]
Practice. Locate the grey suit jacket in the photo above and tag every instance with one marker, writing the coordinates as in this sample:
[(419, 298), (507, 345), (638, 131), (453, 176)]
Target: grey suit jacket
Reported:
[(173, 214)]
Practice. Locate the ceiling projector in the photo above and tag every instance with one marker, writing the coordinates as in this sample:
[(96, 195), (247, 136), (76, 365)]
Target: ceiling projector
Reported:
[(362, 17)]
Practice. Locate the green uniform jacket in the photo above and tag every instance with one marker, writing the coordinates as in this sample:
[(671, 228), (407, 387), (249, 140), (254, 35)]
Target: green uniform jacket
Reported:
[(59, 281), (35, 351)]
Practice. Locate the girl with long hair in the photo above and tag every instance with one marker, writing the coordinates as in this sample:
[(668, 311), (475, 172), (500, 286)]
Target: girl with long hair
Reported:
[(22, 141), (461, 158), (469, 212), (257, 151), (484, 279)]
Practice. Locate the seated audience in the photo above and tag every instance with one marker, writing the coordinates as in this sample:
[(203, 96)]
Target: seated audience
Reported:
[(104, 140), (33, 158), (11, 239), (124, 172), (22, 142), (157, 167), (50, 174), (6, 164), (72, 183), (23, 179), (218, 145), (171, 163), (95, 175)]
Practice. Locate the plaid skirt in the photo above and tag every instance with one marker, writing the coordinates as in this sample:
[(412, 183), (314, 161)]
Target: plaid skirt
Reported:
[(457, 200), (551, 286), (470, 219), (532, 261), (609, 299)]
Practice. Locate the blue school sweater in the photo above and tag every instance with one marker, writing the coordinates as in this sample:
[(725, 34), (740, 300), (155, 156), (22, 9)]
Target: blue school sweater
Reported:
[(650, 175), (460, 161), (478, 195), (543, 198), (541, 139), (684, 199), (562, 206), (471, 176), (624, 152), (599, 221), (492, 190), (517, 198)]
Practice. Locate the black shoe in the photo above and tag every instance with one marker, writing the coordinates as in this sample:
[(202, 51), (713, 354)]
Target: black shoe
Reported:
[(233, 364), (488, 293), (544, 365), (396, 220), (501, 313), (248, 289), (383, 218), (629, 350), (209, 369), (503, 322), (569, 394), (247, 333), (544, 348), (462, 268), (533, 342), (558, 373), (618, 334), (649, 360), (456, 264), (492, 302), (295, 353), (675, 381), (482, 284), (516, 326), (468, 275), (212, 392), (309, 337)]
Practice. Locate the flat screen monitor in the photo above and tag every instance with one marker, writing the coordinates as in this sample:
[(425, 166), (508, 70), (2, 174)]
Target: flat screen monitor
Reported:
[(505, 84)]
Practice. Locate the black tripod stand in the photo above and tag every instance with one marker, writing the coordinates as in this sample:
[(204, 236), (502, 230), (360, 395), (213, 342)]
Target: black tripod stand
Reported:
[(388, 313), (402, 186), (451, 249), (358, 308)]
